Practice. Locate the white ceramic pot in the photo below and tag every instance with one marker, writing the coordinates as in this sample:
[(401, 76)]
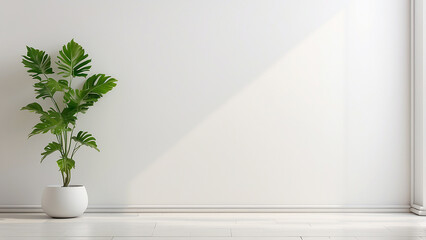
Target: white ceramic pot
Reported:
[(64, 202)]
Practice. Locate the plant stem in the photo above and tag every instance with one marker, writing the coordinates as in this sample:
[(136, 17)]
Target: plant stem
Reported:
[(74, 150), (63, 142), (67, 148), (63, 164), (70, 143), (51, 97), (63, 179), (59, 141), (67, 178), (64, 159), (70, 81)]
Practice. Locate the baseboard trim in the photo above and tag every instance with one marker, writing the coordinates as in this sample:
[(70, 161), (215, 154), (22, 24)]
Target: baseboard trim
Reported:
[(417, 209), (223, 209), (418, 212)]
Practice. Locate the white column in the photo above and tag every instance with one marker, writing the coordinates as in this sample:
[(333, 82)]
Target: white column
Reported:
[(418, 168)]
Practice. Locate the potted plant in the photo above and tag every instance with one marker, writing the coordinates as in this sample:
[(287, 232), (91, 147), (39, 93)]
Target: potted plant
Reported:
[(60, 119)]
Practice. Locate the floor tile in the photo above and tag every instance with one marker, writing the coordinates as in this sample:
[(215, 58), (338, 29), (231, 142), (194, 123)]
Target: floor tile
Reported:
[(343, 238), (316, 238), (329, 238), (110, 229), (191, 231), (207, 238), (56, 238), (211, 226), (390, 238)]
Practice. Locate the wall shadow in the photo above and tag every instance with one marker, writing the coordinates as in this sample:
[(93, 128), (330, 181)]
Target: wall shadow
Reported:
[(173, 72)]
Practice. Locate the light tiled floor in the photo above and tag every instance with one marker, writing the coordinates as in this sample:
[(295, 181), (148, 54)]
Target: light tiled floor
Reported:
[(220, 226)]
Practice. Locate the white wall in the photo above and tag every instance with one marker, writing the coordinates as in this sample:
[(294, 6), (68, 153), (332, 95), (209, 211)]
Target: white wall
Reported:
[(302, 102)]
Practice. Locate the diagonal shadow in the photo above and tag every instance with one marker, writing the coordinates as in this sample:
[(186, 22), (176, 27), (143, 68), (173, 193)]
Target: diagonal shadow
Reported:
[(171, 78)]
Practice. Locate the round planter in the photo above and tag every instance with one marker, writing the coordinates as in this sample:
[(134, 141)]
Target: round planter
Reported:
[(64, 202)]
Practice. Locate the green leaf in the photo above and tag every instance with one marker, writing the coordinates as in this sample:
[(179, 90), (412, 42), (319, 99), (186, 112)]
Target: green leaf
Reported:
[(55, 86), (37, 62), (51, 121), (49, 149), (64, 83), (93, 89), (73, 62), (47, 88), (85, 138), (68, 115), (42, 90), (65, 164), (34, 107), (99, 84)]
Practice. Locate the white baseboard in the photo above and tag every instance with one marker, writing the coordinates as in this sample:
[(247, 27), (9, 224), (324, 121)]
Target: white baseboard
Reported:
[(222, 208), (417, 209), (418, 212)]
